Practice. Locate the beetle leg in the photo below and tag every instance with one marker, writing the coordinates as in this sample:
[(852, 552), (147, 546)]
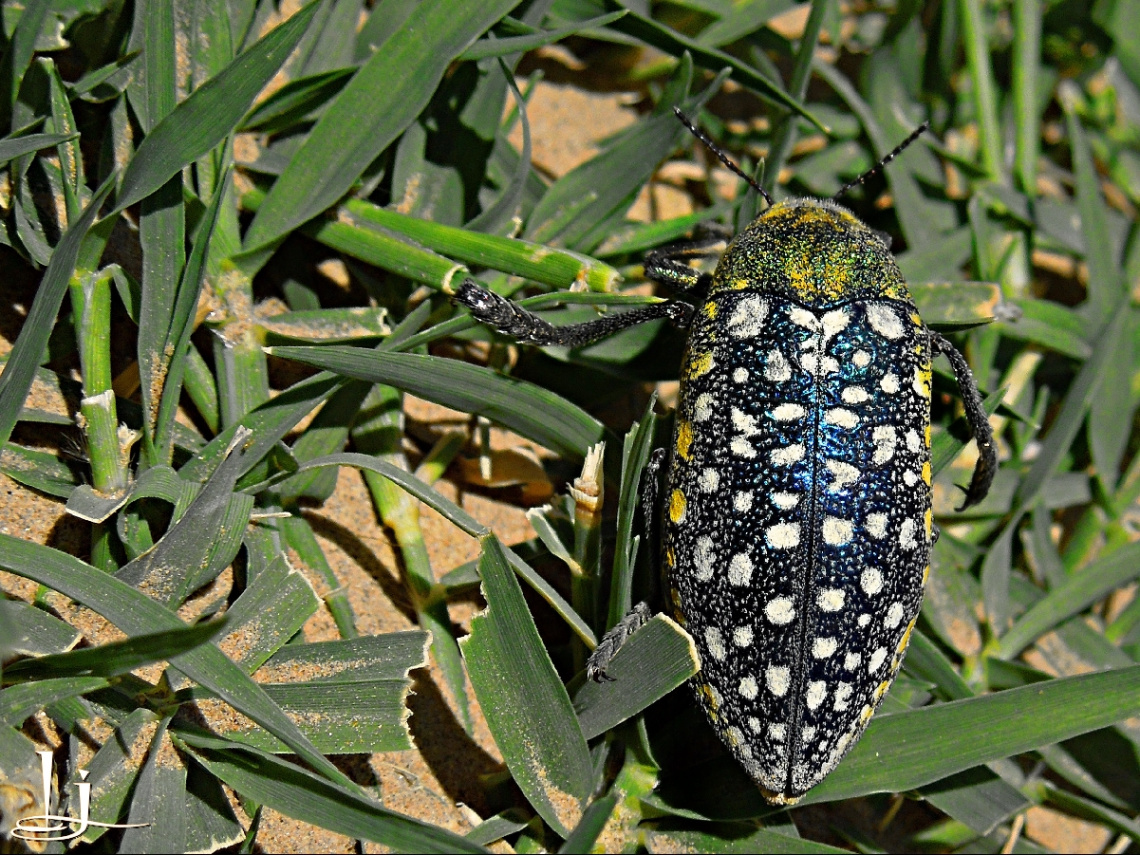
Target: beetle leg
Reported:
[(612, 641), (670, 265), (511, 319), (979, 422)]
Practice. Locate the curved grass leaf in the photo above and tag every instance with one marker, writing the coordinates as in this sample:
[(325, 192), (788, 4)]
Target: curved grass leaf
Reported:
[(302, 795), (526, 705), (210, 113), (25, 699), (373, 108), (529, 410), (119, 657)]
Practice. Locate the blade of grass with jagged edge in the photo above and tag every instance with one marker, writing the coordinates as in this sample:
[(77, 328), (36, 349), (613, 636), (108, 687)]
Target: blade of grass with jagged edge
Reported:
[(523, 699), (309, 798)]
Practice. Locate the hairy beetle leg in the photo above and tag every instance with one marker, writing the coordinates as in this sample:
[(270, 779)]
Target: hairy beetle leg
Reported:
[(513, 320), (612, 641), (986, 467)]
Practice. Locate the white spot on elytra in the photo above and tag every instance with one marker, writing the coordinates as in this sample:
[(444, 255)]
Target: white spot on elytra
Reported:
[(871, 581), (842, 695), (702, 407), (821, 648), (855, 395), (906, 534), (780, 611), (777, 732), (909, 478), (742, 636), (778, 679), (801, 317), (863, 621), (742, 448), (851, 661), (841, 417), (885, 439), (835, 321), (740, 375), (807, 735), (742, 501), (740, 569), (810, 362), (708, 480), (744, 423), (894, 616), (884, 321), (877, 525), (787, 456), (831, 599), (788, 412), (861, 359), (703, 558), (816, 692), (837, 532), (754, 724), (776, 368), (748, 688), (876, 660), (913, 441), (715, 642), (747, 318), (785, 501), (842, 474), (890, 383), (783, 535)]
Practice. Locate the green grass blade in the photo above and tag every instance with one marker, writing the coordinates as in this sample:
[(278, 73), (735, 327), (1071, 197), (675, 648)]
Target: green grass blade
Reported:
[(928, 744), (527, 409), (526, 705), (28, 351), (302, 795), (373, 108), (211, 112), (120, 657), (654, 661)]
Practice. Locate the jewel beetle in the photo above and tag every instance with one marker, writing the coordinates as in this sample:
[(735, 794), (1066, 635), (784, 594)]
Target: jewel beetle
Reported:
[(796, 523)]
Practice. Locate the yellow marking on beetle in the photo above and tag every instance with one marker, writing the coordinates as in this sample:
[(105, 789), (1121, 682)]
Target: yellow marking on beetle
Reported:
[(865, 715), (906, 637), (670, 557), (928, 436), (928, 519), (678, 612), (708, 692), (881, 690), (700, 364), (740, 284), (926, 476), (916, 320), (925, 575), (677, 506), (685, 439), (710, 310)]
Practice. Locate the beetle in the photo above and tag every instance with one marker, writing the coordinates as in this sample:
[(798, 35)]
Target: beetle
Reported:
[(797, 518)]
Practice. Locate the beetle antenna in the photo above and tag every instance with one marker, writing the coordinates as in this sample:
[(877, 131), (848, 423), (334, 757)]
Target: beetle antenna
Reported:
[(722, 155), (891, 155)]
